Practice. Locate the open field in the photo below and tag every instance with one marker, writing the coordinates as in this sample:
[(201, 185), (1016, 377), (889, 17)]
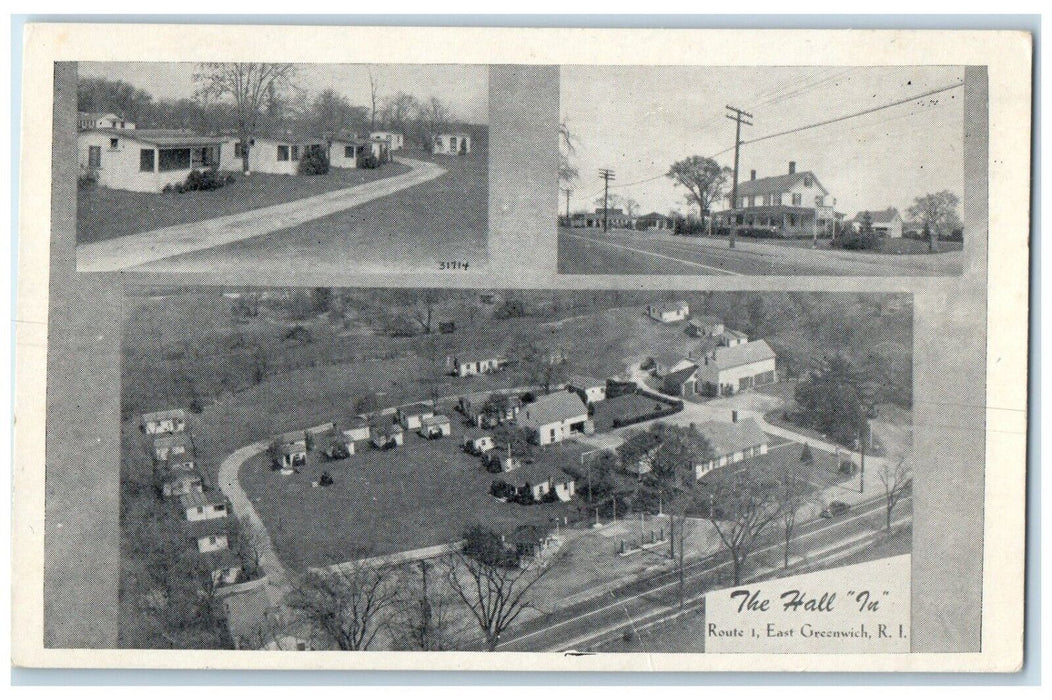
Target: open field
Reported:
[(442, 220), (104, 213), (421, 494), (624, 407)]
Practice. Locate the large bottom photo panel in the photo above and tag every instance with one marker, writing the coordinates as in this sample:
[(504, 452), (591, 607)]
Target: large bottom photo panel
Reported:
[(516, 470)]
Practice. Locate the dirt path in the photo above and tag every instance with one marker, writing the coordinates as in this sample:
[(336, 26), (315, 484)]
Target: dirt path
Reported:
[(137, 249)]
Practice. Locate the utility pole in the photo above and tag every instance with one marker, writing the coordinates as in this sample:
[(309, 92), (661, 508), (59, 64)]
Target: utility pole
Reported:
[(606, 175), (738, 121), (567, 191)]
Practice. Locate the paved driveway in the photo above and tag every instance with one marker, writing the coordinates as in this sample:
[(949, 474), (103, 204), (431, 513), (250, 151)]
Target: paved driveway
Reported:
[(138, 249)]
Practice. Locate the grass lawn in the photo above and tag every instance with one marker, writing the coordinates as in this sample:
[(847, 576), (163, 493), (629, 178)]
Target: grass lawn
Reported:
[(888, 246), (104, 213), (684, 634), (442, 220), (623, 407), (423, 493), (819, 474)]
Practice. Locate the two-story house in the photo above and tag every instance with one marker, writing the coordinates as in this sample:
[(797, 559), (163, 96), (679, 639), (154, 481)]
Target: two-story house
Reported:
[(794, 204)]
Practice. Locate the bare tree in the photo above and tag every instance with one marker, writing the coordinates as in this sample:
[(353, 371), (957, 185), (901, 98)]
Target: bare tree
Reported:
[(374, 88), (253, 87), (425, 617), (424, 310), (399, 109), (350, 606), (490, 581), (792, 496), (896, 478), (741, 508), (568, 173), (434, 116)]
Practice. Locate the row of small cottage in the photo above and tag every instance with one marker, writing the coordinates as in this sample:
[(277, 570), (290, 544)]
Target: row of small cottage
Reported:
[(146, 160), (205, 514)]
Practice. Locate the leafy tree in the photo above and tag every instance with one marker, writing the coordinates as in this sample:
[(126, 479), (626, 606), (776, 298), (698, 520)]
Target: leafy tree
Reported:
[(703, 178), (830, 400), (936, 213), (330, 113), (252, 87), (116, 96)]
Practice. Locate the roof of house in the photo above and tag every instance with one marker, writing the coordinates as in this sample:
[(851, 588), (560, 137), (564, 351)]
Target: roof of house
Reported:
[(705, 321), (653, 215), (295, 448), (358, 422), (291, 437), (174, 440), (166, 475), (666, 357), (884, 216), (164, 415), (777, 183), (203, 528), (553, 408), (290, 137), (681, 375), (671, 306), (617, 211), (728, 438), (731, 333), (437, 419), (744, 354), (387, 429), (221, 559), (195, 499), (164, 137), (96, 115), (474, 434), (536, 472), (582, 381), (454, 133)]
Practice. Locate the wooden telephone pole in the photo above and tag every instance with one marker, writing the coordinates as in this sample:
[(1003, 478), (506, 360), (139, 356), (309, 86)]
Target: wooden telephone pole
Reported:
[(606, 175), (567, 191), (738, 120)]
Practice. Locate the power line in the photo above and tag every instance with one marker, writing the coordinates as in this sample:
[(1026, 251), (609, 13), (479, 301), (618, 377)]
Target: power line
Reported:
[(864, 112)]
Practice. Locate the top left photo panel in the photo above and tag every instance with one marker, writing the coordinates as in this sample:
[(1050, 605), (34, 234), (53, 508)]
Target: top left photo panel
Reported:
[(277, 168)]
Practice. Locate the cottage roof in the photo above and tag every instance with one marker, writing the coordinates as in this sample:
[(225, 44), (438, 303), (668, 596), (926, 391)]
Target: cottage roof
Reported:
[(165, 415), (203, 528), (221, 559), (165, 475), (437, 419), (474, 434), (165, 137), (667, 357), (553, 408), (293, 448), (775, 184), (735, 335), (744, 354), (97, 115), (387, 429), (672, 306), (538, 472), (292, 437), (174, 440), (653, 216), (583, 381), (612, 211), (195, 499), (728, 438), (706, 321), (884, 216), (293, 138), (358, 422), (681, 375)]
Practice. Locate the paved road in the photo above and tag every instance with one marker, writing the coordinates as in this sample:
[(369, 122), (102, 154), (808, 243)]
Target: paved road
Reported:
[(142, 248), (277, 576), (644, 602), (585, 251)]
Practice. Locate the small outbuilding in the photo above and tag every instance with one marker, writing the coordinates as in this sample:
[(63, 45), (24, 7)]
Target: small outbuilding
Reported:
[(436, 426), (411, 417), (203, 506), (163, 422), (452, 144)]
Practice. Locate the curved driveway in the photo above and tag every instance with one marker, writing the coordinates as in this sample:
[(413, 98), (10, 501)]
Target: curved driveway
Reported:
[(277, 577), (140, 248)]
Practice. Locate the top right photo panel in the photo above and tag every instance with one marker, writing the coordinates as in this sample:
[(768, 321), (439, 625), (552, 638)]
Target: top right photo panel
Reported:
[(764, 170)]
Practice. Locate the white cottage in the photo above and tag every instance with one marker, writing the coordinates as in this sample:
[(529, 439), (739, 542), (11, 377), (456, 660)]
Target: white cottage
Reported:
[(171, 421), (278, 155), (452, 144), (144, 160), (554, 417), (729, 370), (395, 140)]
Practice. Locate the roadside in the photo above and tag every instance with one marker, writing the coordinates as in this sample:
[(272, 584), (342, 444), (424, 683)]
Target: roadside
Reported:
[(138, 249)]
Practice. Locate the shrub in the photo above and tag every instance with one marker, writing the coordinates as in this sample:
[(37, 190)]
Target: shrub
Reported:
[(852, 240), (805, 455), (201, 180), (87, 180), (314, 162), (502, 489), (369, 162)]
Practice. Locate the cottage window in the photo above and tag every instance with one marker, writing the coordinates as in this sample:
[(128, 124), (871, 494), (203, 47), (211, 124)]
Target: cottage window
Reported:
[(295, 153), (114, 142), (808, 181), (94, 156), (146, 160), (239, 151), (348, 151), (283, 152), (174, 159)]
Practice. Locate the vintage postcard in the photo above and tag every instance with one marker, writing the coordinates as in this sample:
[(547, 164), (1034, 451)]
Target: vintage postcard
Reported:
[(535, 348)]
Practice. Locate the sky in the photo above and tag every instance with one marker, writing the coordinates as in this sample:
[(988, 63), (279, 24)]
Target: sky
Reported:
[(464, 87), (638, 120)]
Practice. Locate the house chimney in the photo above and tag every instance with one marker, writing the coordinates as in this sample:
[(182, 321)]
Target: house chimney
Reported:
[(734, 416), (752, 174), (792, 167)]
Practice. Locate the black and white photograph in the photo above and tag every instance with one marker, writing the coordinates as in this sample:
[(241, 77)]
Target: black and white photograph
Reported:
[(517, 349), (761, 170), (281, 168), (439, 470)]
